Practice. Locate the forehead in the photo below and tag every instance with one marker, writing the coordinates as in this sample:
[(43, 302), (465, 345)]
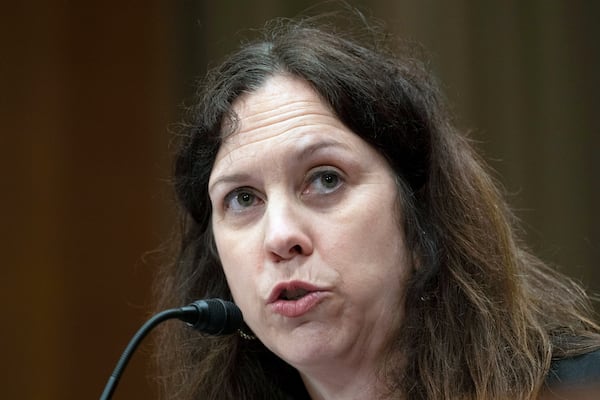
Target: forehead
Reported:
[(283, 127), (281, 103), (284, 111)]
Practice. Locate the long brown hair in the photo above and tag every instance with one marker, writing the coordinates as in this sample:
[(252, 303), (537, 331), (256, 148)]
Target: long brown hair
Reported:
[(483, 317)]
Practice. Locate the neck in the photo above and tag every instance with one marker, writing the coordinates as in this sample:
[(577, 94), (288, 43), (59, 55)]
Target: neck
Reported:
[(358, 382)]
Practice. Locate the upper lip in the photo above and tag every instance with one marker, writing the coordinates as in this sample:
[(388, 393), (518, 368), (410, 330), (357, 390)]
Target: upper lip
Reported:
[(288, 286)]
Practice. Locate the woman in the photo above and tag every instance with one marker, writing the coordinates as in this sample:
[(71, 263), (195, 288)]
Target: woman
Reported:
[(325, 191)]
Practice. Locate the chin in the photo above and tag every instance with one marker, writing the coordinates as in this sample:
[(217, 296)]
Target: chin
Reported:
[(305, 350), (303, 358)]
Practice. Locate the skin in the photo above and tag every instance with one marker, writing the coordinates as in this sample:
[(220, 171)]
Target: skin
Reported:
[(298, 197)]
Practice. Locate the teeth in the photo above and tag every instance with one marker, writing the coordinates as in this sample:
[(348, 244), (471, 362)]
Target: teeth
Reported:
[(294, 294)]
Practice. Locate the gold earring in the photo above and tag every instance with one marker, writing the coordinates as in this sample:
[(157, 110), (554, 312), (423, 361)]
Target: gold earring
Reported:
[(245, 335)]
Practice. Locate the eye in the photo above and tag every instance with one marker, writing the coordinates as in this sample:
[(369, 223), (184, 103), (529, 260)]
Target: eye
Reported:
[(324, 182), (241, 199)]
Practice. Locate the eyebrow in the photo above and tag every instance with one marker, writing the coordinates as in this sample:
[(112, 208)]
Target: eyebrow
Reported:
[(298, 156), (228, 179), (317, 146)]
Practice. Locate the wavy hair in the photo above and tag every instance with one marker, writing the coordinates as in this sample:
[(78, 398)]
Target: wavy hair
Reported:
[(483, 316)]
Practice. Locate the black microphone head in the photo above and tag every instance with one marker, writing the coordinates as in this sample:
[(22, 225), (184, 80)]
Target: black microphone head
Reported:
[(217, 317)]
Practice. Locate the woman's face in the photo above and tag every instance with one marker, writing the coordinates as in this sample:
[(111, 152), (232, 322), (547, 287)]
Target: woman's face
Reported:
[(305, 218)]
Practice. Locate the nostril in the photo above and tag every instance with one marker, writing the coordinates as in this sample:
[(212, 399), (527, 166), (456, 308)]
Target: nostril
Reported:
[(296, 249)]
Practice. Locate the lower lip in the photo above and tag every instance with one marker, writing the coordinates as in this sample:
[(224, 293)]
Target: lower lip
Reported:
[(297, 308)]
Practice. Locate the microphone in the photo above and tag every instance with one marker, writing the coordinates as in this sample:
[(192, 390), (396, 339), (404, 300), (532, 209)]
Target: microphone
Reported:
[(211, 316)]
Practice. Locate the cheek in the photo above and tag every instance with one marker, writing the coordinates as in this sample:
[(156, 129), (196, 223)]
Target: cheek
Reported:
[(240, 286), (234, 271), (371, 249), (243, 287), (236, 258), (371, 230)]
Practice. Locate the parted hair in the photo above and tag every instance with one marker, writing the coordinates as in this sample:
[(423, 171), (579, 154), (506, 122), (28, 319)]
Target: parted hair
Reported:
[(483, 317)]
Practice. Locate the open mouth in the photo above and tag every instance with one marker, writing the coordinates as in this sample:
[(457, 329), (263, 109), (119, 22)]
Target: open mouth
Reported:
[(292, 291), (292, 294), (295, 299)]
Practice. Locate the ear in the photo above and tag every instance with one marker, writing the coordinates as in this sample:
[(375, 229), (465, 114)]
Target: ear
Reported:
[(416, 260)]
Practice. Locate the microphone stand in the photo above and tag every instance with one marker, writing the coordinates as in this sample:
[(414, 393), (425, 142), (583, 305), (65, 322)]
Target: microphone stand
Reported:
[(213, 316), (133, 344)]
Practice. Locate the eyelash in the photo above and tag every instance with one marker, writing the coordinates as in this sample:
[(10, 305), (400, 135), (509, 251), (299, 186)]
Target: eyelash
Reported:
[(309, 190), (235, 196), (320, 174)]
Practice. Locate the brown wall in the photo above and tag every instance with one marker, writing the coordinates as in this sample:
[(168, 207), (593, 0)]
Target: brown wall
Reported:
[(88, 91), (85, 105)]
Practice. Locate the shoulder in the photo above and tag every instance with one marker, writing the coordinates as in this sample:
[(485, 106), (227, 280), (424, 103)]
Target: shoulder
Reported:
[(580, 369), (574, 378)]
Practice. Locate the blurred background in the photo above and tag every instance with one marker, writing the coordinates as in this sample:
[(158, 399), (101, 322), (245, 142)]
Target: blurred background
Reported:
[(90, 90)]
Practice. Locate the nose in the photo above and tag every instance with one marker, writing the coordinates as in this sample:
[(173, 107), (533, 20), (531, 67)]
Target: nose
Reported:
[(287, 232)]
